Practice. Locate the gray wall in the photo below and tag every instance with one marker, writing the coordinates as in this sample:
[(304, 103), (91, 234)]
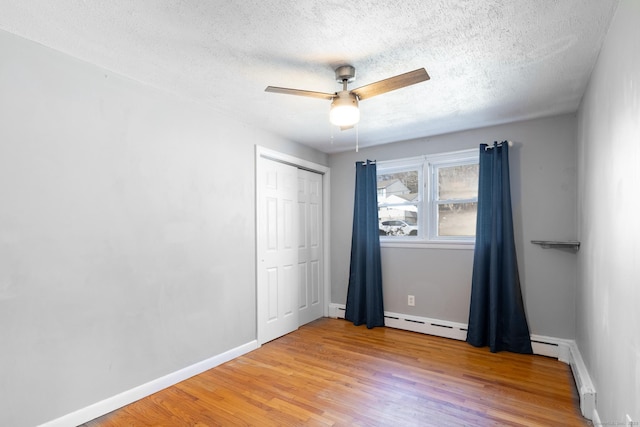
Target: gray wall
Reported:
[(608, 291), (543, 174), (127, 233)]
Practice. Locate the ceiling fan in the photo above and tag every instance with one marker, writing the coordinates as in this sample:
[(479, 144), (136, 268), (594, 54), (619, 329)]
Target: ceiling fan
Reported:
[(344, 106)]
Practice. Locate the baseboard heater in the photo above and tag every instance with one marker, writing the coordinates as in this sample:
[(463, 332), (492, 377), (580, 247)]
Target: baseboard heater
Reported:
[(544, 346), (585, 388), (564, 350), (441, 328)]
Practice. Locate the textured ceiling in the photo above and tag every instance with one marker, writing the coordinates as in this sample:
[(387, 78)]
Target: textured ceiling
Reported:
[(490, 61)]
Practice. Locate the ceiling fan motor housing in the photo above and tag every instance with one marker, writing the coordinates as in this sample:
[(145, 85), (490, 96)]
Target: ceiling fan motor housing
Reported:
[(345, 72)]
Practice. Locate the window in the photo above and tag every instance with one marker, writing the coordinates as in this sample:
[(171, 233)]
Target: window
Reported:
[(429, 199)]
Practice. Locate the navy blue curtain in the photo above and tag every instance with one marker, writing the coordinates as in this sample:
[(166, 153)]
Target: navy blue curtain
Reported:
[(364, 296), (496, 316)]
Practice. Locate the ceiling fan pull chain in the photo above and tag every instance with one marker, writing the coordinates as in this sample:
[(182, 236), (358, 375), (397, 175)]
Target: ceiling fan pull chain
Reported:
[(356, 138)]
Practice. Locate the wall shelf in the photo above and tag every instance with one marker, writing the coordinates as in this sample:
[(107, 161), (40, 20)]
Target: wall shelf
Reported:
[(547, 244)]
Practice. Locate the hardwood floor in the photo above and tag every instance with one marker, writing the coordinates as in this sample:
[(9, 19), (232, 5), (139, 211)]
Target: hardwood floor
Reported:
[(331, 373)]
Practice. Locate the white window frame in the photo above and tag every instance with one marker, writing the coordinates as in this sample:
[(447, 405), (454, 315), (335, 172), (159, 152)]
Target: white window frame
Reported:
[(427, 167)]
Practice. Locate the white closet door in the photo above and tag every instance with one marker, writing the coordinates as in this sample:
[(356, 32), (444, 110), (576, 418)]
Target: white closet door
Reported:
[(310, 252), (277, 249)]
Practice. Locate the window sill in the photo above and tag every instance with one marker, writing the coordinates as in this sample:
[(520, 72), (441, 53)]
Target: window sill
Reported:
[(427, 245)]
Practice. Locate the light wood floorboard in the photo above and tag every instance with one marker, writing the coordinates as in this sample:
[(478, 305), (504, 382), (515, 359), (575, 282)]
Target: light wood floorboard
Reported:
[(331, 373)]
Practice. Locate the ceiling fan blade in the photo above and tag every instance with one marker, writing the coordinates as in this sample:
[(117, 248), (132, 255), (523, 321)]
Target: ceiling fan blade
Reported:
[(309, 93), (347, 127), (392, 83)]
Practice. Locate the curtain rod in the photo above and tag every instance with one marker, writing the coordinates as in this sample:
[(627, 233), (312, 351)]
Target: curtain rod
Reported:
[(488, 147), (364, 162)]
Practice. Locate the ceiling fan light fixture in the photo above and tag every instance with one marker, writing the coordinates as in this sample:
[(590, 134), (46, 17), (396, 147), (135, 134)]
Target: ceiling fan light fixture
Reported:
[(344, 110)]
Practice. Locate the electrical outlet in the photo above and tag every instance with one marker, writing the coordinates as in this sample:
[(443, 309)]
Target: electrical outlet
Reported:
[(411, 300)]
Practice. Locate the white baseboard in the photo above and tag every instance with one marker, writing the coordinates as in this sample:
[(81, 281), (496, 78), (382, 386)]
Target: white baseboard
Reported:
[(565, 351), (118, 401)]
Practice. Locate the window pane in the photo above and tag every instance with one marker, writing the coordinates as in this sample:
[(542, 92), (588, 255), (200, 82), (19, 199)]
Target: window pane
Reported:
[(398, 194), (457, 219), (458, 182), (400, 187)]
